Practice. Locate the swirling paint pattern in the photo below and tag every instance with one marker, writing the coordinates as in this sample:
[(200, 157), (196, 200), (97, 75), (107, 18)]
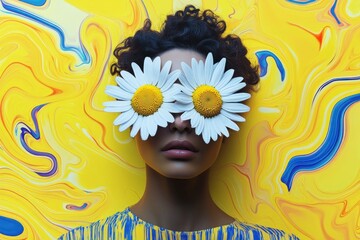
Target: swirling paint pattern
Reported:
[(332, 11), (10, 227), (293, 166), (262, 56), (48, 18), (326, 152), (78, 208), (36, 134), (355, 78), (302, 1), (36, 3)]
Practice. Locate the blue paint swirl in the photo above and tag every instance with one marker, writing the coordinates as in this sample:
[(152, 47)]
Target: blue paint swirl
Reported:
[(302, 2), (262, 56), (355, 78), (10, 227), (80, 51), (36, 3), (332, 12), (324, 154), (77, 208), (36, 134)]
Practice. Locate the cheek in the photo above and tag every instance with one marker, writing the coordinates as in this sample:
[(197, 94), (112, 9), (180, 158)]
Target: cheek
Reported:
[(211, 151), (145, 148)]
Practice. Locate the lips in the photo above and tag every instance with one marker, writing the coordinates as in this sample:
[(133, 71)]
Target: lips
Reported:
[(179, 150)]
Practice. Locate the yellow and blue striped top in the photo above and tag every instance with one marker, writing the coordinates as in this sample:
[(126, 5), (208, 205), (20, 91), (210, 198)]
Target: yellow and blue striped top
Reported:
[(127, 226)]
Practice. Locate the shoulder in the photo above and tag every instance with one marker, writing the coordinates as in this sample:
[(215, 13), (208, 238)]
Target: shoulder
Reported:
[(98, 229), (254, 231)]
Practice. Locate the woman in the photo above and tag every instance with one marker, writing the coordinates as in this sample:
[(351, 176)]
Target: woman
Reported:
[(179, 91)]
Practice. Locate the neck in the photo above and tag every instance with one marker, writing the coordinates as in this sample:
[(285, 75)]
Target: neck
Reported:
[(187, 199)]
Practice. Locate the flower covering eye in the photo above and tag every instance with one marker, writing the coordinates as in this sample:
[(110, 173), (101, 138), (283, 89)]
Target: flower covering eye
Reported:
[(145, 99), (209, 98)]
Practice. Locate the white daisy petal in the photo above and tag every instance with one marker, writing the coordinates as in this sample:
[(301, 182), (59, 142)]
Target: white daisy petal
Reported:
[(127, 88), (184, 89), (235, 107), (218, 72), (225, 79), (170, 107), (118, 93), (189, 75), (117, 106), (194, 65), (232, 116), (137, 125), (222, 128), (124, 117), (206, 131), (229, 124), (127, 124), (199, 129), (183, 98), (188, 115), (151, 125), (231, 89), (148, 71), (216, 125), (236, 97), (200, 73), (235, 83), (232, 83), (170, 80), (177, 107), (213, 129), (139, 75), (195, 70), (120, 81), (159, 120), (194, 121), (164, 74), (170, 95), (184, 82), (209, 62), (238, 79), (166, 115), (144, 134), (156, 70), (129, 79)]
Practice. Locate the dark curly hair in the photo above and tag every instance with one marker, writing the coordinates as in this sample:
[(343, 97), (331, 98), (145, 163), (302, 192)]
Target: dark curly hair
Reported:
[(186, 29)]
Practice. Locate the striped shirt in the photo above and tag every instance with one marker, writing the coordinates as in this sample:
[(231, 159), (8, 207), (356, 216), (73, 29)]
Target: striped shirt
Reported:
[(127, 226)]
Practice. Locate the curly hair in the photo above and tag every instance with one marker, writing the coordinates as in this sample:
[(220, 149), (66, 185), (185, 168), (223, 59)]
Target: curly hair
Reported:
[(187, 29)]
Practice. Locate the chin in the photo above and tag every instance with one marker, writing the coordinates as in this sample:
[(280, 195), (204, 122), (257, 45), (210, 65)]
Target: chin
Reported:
[(184, 173)]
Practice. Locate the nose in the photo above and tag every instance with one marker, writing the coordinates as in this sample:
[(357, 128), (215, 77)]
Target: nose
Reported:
[(180, 125)]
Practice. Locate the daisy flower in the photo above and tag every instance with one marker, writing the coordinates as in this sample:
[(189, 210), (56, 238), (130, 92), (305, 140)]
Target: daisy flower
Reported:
[(210, 99), (145, 99)]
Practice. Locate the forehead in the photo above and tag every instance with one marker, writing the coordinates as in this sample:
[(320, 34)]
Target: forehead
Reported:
[(177, 56)]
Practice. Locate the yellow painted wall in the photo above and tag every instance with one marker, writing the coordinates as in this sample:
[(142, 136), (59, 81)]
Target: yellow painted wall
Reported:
[(295, 164)]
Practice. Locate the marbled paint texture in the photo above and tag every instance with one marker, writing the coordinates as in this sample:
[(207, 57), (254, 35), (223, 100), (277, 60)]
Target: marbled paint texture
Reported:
[(294, 165)]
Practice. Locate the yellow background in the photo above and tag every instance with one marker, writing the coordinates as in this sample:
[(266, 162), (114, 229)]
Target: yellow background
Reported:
[(63, 163)]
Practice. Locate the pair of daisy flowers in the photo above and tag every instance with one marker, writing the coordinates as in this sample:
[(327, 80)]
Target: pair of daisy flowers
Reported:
[(207, 96)]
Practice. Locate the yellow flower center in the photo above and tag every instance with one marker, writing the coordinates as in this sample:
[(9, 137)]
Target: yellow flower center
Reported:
[(207, 101), (146, 100)]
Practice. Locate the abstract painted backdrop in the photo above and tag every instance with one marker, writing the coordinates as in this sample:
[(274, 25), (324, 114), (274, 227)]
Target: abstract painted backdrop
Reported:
[(294, 165)]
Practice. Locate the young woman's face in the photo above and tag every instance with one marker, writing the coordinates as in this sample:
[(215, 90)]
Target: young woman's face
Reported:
[(176, 151)]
